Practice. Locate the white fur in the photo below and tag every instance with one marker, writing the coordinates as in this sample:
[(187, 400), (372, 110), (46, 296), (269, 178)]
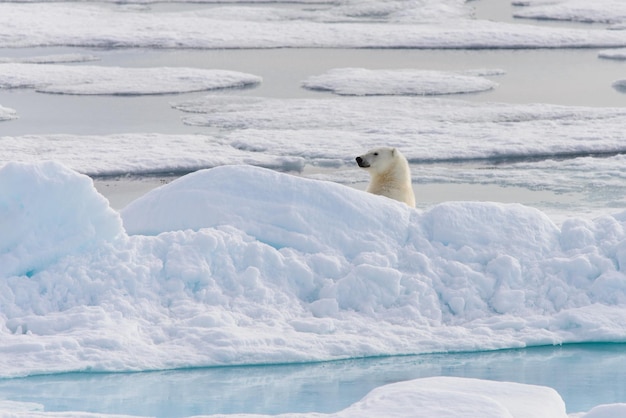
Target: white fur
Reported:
[(390, 174)]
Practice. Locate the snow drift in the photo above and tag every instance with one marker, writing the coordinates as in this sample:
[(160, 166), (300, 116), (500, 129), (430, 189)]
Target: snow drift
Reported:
[(242, 265)]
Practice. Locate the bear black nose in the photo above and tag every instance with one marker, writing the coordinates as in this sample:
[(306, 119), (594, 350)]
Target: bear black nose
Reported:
[(359, 160)]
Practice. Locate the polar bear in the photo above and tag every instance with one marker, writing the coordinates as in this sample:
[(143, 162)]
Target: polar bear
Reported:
[(390, 174)]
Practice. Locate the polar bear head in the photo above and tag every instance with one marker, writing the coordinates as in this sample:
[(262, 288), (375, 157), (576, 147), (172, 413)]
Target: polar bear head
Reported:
[(377, 160)]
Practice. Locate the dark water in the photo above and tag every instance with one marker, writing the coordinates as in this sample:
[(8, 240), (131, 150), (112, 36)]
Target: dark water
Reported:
[(584, 375)]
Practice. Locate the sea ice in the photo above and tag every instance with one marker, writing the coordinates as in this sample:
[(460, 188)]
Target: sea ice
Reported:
[(617, 54), (603, 11), (7, 113), (51, 59), (582, 155), (443, 25), (65, 79), (363, 82), (439, 397), (242, 265)]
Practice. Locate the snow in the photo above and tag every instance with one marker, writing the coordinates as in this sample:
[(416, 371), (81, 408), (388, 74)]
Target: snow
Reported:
[(363, 82), (51, 59), (7, 113), (359, 25), (606, 411), (65, 79), (444, 397), (603, 11), (439, 396), (617, 54), (288, 134), (238, 264), (244, 265)]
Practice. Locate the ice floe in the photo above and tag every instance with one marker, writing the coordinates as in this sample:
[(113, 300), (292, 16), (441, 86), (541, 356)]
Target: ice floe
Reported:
[(91, 25), (51, 59), (243, 265), (7, 113), (617, 54), (440, 397), (602, 11), (90, 80), (364, 82)]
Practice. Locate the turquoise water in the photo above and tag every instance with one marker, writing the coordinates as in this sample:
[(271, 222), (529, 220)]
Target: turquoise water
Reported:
[(585, 375)]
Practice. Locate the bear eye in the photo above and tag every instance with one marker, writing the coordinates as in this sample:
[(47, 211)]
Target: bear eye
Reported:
[(375, 154)]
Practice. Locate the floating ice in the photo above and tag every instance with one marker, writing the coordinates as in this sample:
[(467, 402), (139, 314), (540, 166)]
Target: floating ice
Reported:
[(445, 397), (582, 155), (606, 411), (141, 154), (7, 113), (65, 79), (440, 397), (51, 59), (617, 54), (245, 266), (604, 11), (425, 129), (23, 25), (363, 82)]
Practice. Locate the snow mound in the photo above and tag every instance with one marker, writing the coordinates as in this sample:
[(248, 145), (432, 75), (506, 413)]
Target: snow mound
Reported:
[(243, 265), (606, 411), (46, 212), (450, 397), (363, 82), (95, 80)]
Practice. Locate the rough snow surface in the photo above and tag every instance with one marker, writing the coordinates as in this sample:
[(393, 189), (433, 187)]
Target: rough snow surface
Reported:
[(242, 265), (363, 82), (65, 79)]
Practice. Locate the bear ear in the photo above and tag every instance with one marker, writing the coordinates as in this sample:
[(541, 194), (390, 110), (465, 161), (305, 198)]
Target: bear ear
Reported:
[(393, 152)]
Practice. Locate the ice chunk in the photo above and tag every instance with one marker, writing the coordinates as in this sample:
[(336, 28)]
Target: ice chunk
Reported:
[(364, 82)]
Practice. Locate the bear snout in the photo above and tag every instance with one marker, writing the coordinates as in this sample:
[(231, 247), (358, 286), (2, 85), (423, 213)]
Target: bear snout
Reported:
[(361, 162)]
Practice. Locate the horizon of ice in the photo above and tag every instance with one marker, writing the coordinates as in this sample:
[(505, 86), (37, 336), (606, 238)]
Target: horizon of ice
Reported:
[(368, 24), (365, 82), (96, 80)]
